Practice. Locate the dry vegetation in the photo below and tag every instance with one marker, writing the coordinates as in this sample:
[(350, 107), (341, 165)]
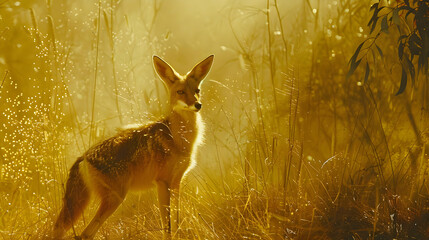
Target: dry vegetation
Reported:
[(293, 150)]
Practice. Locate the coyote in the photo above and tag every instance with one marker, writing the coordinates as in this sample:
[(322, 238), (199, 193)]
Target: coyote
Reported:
[(159, 153)]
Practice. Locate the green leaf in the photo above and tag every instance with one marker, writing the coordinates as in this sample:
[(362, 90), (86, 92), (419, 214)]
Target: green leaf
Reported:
[(366, 73), (379, 51), (353, 58), (410, 11), (416, 38), (375, 8), (401, 50), (384, 25), (352, 69), (411, 69), (374, 19), (403, 82), (414, 43), (373, 27), (402, 37), (395, 17), (353, 63)]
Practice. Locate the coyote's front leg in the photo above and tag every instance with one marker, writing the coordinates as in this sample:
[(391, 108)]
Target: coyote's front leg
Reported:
[(168, 197), (174, 208)]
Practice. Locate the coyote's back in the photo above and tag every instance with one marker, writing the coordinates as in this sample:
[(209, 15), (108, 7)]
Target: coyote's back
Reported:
[(158, 153), (131, 150)]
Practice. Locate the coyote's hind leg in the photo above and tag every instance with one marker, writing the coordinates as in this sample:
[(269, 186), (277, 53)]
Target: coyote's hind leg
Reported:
[(109, 203), (164, 205)]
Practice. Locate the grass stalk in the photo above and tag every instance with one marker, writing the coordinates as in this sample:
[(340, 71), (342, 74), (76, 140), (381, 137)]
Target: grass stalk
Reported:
[(112, 58), (271, 63), (380, 121), (282, 33), (91, 129), (293, 115), (4, 78)]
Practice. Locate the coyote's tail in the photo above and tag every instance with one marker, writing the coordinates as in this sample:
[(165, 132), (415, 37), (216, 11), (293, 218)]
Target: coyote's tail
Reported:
[(75, 200)]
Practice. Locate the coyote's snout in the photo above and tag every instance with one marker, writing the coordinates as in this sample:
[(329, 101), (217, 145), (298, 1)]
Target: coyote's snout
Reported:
[(158, 154)]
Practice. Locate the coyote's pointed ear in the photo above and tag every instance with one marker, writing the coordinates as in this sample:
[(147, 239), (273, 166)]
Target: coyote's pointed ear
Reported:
[(164, 70), (200, 71)]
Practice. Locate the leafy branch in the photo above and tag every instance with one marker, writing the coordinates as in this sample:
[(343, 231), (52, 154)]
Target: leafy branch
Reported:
[(413, 41)]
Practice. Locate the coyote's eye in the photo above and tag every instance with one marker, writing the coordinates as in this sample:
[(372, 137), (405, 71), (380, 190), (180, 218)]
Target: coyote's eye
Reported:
[(197, 91), (180, 92)]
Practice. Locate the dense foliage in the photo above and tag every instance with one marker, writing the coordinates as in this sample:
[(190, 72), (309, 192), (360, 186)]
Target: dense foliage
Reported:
[(411, 21)]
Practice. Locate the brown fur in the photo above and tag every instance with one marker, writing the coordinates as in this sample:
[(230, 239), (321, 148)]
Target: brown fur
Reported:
[(155, 154), (75, 199)]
